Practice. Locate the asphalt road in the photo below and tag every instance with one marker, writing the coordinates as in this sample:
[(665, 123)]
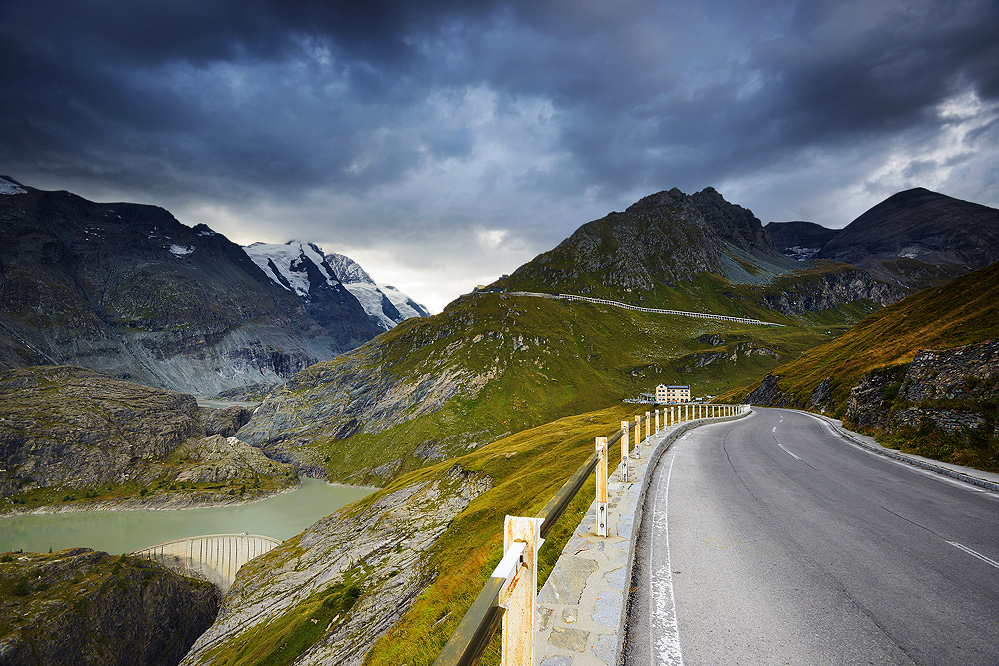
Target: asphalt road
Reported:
[(772, 540)]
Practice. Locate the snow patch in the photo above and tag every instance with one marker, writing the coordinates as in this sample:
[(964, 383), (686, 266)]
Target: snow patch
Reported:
[(180, 250), (287, 264), (406, 306), (8, 187)]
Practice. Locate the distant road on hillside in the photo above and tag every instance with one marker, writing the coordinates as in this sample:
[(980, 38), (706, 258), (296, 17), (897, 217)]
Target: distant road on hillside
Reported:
[(617, 304), (788, 545)]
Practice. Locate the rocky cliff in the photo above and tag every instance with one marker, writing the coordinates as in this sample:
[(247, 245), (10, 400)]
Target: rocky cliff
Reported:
[(81, 607), (74, 436)]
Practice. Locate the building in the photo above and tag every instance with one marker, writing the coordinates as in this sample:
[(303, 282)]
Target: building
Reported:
[(672, 393)]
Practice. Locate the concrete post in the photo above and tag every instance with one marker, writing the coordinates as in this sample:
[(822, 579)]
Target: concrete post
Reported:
[(601, 445), (648, 428), (624, 451), (638, 437), (519, 593), (657, 421)]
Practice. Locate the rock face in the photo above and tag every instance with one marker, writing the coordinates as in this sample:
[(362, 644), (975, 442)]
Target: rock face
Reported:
[(955, 390), (80, 430), (378, 557), (128, 290), (78, 607)]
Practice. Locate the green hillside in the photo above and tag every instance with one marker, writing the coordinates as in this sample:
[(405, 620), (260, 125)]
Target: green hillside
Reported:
[(495, 364), (961, 312)]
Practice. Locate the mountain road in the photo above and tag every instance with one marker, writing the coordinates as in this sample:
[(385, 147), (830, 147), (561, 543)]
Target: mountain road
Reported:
[(773, 540)]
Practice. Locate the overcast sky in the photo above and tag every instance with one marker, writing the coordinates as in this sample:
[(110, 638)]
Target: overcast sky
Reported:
[(441, 144)]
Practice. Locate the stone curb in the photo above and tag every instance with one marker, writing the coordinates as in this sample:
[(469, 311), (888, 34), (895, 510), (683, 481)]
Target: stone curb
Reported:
[(895, 455), (581, 607)]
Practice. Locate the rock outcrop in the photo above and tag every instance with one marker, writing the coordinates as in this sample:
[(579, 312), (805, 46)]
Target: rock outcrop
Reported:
[(89, 434), (79, 606), (953, 390)]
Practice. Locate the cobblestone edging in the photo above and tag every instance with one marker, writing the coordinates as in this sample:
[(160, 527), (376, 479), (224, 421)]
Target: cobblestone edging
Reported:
[(581, 607), (895, 455)]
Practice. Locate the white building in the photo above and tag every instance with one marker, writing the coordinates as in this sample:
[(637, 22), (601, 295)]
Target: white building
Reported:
[(672, 393)]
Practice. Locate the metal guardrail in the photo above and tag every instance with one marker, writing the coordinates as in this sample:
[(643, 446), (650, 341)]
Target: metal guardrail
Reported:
[(524, 536)]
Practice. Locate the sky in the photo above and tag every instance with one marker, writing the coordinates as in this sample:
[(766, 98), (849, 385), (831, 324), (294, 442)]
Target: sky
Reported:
[(443, 143)]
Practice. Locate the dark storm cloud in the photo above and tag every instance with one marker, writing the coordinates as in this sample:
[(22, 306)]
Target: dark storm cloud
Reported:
[(415, 118)]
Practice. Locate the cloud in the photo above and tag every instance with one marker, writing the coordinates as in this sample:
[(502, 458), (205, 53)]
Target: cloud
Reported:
[(409, 129)]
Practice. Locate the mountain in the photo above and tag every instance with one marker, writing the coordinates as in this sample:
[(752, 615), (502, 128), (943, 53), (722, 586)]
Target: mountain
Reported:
[(498, 362), (128, 290), (385, 304), (302, 269), (74, 436), (917, 237), (699, 252), (800, 240)]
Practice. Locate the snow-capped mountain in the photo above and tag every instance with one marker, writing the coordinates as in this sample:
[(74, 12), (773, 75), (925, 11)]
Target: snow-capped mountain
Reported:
[(385, 304), (406, 306), (331, 286)]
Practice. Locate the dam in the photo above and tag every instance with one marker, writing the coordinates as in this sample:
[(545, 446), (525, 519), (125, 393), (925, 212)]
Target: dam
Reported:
[(215, 557)]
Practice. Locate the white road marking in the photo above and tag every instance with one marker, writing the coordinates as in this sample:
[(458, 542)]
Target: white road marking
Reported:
[(787, 452), (974, 554), (664, 639), (774, 430)]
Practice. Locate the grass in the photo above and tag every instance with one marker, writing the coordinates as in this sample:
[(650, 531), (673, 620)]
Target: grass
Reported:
[(527, 469)]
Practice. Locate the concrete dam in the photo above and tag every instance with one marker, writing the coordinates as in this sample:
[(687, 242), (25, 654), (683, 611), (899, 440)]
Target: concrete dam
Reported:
[(215, 557)]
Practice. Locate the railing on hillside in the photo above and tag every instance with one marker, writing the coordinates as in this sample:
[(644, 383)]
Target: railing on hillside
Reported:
[(618, 304), (509, 594)]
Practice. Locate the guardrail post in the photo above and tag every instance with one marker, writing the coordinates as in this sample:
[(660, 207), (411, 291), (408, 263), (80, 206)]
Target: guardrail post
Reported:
[(519, 593), (638, 437), (624, 451), (601, 445), (648, 428), (657, 420)]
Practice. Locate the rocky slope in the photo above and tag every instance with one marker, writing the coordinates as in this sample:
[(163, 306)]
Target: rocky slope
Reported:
[(129, 290), (79, 607), (964, 311), (342, 583), (74, 437)]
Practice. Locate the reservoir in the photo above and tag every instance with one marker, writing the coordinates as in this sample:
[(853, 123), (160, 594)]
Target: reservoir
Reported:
[(115, 532)]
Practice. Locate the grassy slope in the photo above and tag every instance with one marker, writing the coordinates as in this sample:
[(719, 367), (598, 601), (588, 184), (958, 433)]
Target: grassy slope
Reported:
[(545, 359), (961, 312)]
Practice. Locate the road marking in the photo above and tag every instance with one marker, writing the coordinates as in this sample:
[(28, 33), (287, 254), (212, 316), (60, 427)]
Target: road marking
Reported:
[(774, 430), (788, 452), (973, 553), (662, 603)]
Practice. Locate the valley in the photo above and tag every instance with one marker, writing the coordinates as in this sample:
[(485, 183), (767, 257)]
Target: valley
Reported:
[(443, 423)]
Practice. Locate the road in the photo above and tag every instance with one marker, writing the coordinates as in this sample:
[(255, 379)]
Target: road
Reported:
[(772, 540)]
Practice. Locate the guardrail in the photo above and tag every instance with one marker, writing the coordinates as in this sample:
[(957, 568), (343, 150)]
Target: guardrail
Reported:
[(508, 597), (618, 304)]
